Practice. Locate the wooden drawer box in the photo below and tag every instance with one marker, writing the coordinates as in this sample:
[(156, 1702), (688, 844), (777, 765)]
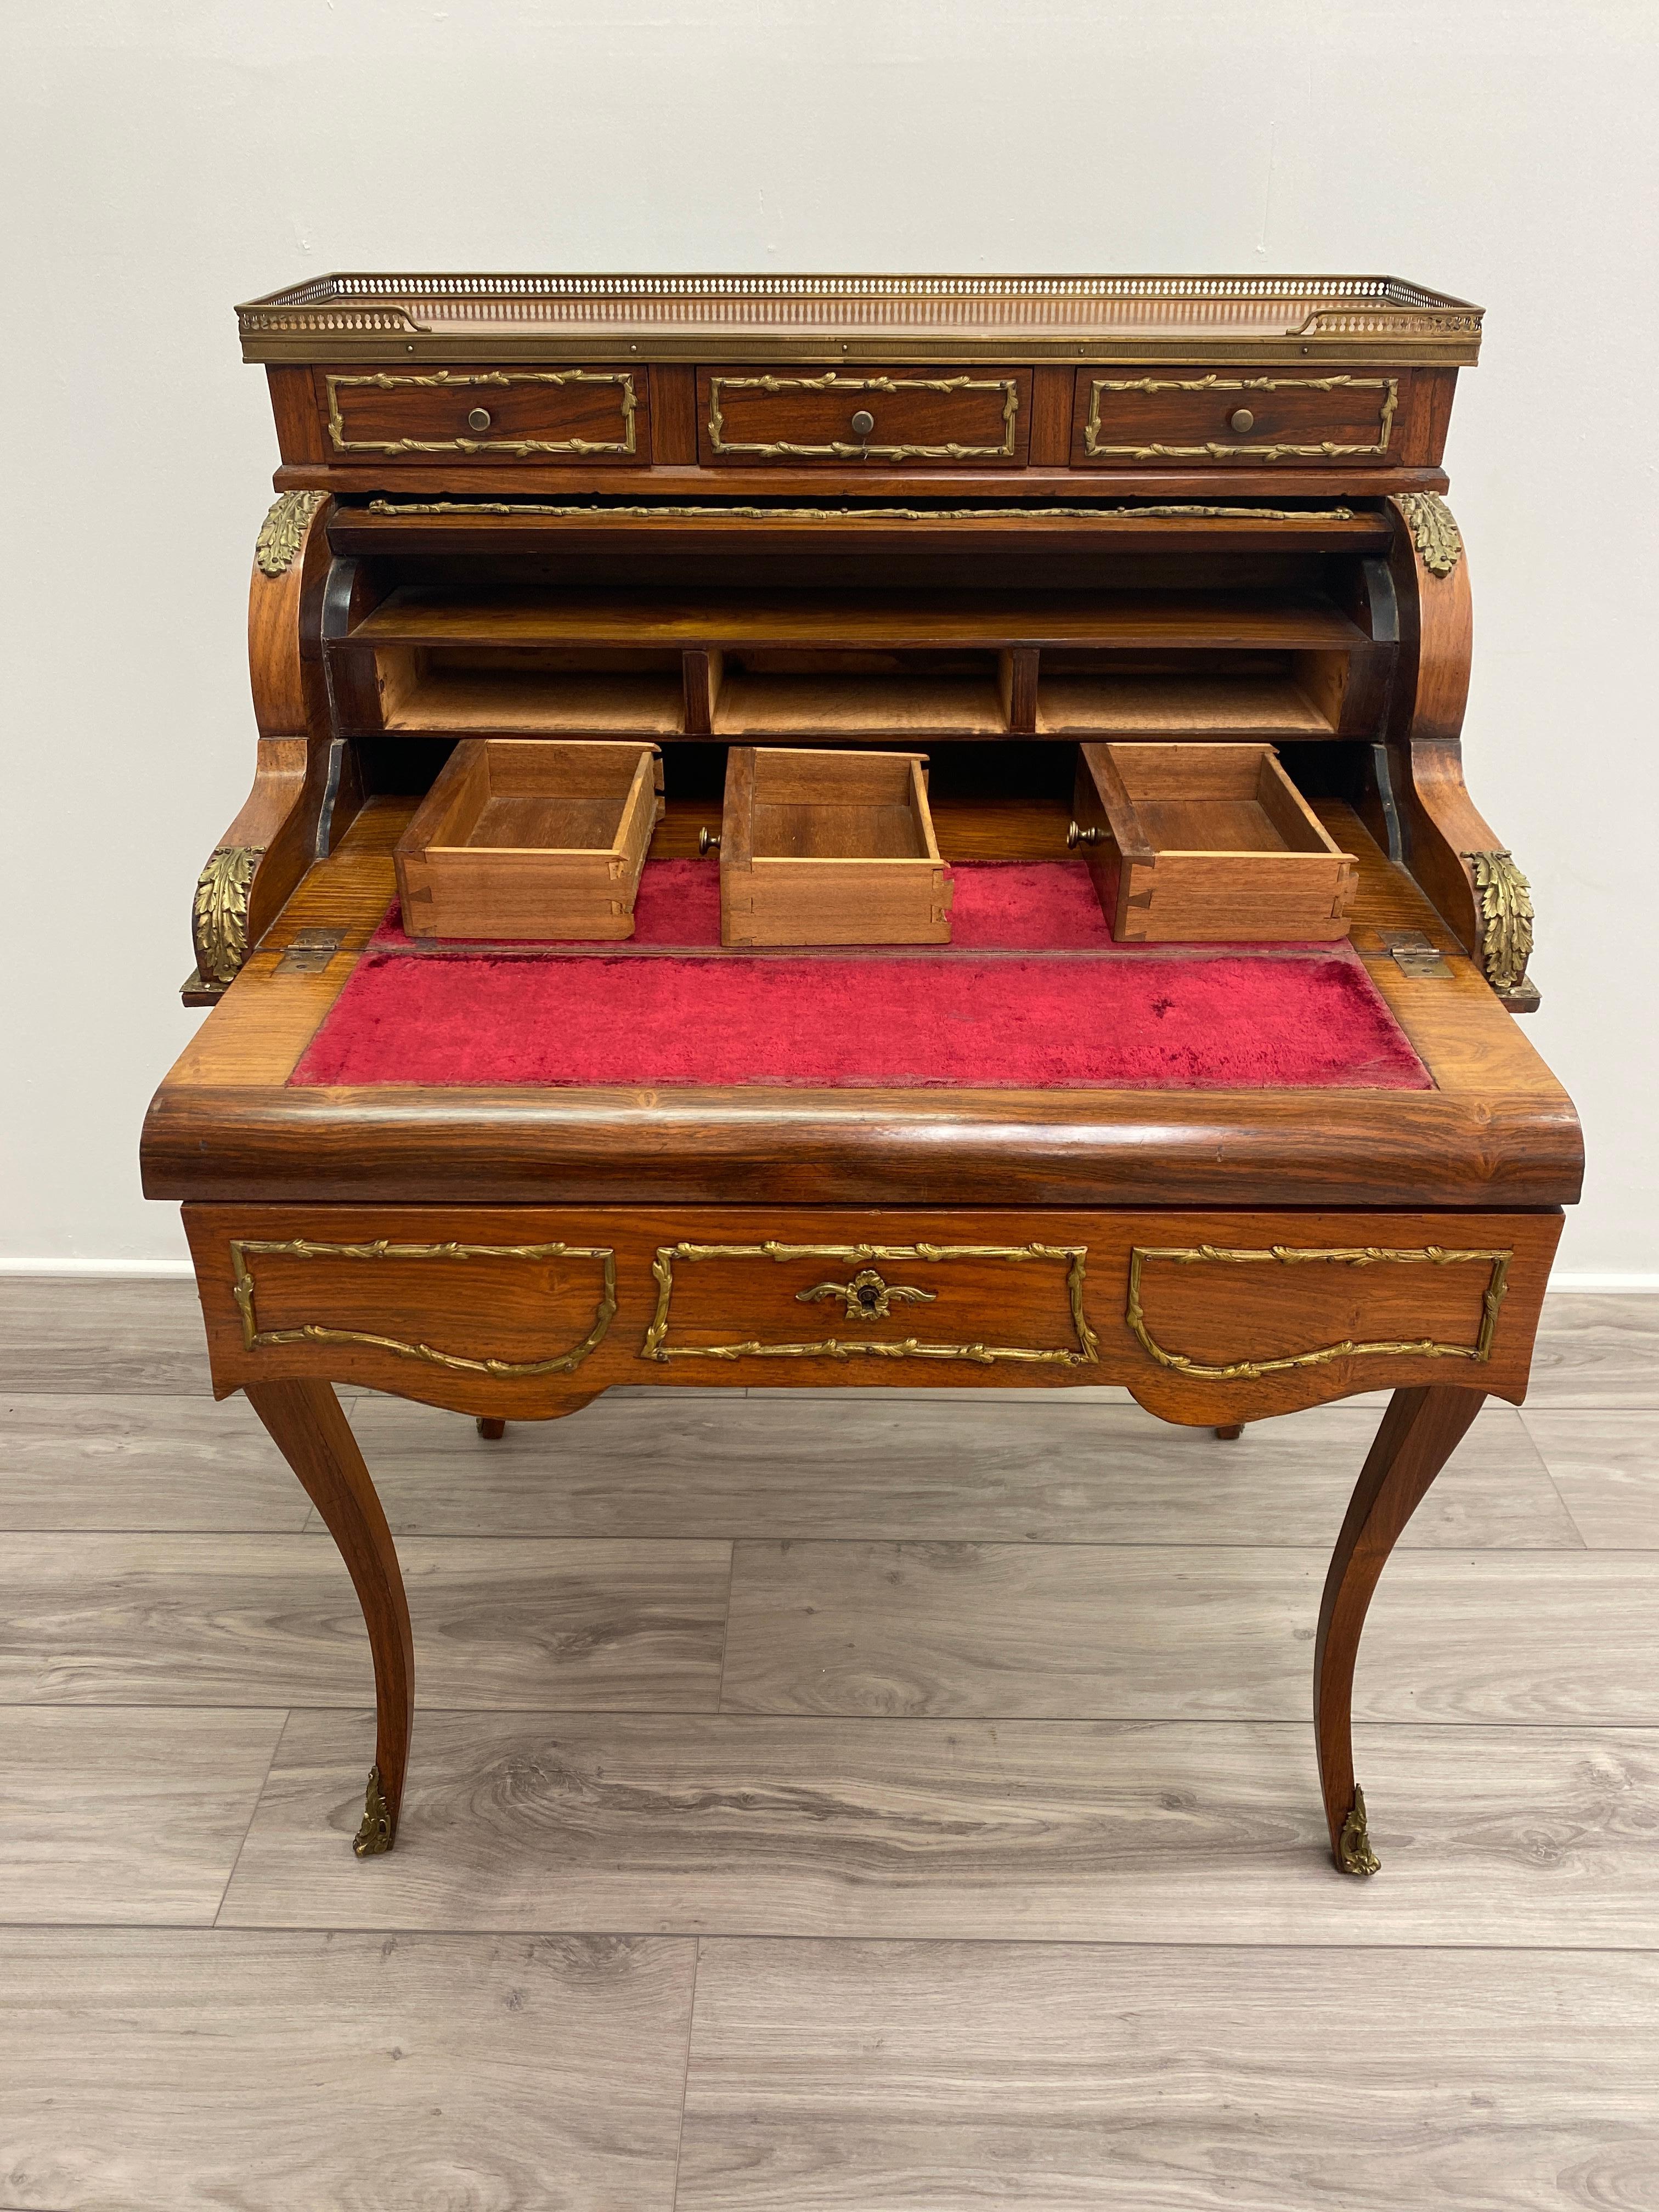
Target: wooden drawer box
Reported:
[(1197, 844), (487, 415), (829, 849), (1225, 415), (972, 416), (523, 839)]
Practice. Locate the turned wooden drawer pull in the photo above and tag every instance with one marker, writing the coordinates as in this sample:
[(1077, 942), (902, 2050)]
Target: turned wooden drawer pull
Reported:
[(478, 419), (1241, 420), (863, 423)]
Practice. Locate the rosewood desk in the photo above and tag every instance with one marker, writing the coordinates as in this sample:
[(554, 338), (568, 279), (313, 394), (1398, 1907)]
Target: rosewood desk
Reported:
[(992, 520)]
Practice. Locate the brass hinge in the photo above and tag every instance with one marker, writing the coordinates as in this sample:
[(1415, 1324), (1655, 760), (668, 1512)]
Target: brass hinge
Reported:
[(1415, 955), (310, 952)]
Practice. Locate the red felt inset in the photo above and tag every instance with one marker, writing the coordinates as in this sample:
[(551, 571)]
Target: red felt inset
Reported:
[(1008, 905), (1112, 1020)]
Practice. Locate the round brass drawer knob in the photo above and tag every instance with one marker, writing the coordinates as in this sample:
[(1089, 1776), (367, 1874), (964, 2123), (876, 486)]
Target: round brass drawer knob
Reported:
[(708, 841), (478, 419), (1241, 420), (863, 423), (1075, 835)]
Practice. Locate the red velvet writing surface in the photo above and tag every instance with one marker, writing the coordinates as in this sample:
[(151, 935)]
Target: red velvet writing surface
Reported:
[(1109, 1020)]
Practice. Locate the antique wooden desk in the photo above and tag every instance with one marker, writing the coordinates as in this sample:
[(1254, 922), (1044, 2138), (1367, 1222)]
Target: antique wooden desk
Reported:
[(988, 520)]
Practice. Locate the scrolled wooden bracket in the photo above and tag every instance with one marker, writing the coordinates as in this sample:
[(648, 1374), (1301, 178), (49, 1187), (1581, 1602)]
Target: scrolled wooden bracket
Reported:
[(262, 854)]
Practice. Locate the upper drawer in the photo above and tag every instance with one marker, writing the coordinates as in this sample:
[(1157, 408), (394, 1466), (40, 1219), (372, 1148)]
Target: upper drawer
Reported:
[(963, 417), (485, 415), (1228, 416)]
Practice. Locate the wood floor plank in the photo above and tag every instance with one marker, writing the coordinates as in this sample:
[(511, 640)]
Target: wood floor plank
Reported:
[(1599, 1350), (102, 1333), (835, 2077), (1074, 1393), (1014, 1466), (213, 2072), (1606, 1466), (168, 1620), (1097, 1831), (1184, 1633), (134, 1460), (123, 1816)]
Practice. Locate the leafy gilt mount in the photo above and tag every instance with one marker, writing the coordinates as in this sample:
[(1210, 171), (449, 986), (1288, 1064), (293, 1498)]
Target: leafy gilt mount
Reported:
[(868, 1296), (374, 1832), (1354, 1854), (219, 911), (1506, 918), (1438, 540), (282, 532)]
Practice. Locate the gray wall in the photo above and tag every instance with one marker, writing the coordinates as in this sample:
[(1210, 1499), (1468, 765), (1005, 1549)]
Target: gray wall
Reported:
[(160, 163)]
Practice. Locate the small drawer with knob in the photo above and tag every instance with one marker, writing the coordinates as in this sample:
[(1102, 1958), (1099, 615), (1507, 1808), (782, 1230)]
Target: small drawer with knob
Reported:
[(976, 417), (486, 416), (1197, 417)]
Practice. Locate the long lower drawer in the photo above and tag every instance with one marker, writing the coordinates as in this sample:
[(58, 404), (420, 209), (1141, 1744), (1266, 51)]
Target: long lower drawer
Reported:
[(528, 1311)]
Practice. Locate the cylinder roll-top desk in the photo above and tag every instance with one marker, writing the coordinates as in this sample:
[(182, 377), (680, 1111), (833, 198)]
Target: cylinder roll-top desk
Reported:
[(1035, 932)]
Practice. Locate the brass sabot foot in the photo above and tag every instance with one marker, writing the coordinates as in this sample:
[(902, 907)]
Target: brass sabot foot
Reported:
[(375, 1833), (1354, 1854)]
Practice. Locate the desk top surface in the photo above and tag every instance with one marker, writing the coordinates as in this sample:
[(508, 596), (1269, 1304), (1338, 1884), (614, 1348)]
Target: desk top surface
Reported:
[(1495, 1128)]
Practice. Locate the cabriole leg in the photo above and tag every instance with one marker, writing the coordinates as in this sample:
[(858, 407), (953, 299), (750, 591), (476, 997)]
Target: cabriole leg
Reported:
[(313, 1435), (1420, 1430)]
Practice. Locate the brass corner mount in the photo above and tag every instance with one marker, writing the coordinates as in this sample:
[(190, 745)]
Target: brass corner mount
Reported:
[(1506, 920), (373, 1835), (1354, 1854), (282, 532), (219, 912), (1438, 540)]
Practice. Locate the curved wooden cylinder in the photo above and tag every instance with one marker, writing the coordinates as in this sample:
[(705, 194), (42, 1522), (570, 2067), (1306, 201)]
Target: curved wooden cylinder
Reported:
[(261, 856), (1453, 852)]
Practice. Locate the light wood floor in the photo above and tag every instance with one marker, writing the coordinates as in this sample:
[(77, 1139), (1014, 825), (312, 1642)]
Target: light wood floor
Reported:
[(844, 1803)]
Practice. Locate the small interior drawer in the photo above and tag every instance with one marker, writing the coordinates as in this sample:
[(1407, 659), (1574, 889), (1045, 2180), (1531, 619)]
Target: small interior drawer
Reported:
[(829, 849), (977, 417), (525, 839), (1227, 416), (1197, 844), (488, 415)]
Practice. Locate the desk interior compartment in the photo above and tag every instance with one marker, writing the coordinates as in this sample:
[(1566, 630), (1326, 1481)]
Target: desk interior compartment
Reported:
[(462, 687), (1208, 844), (852, 692), (528, 839), (821, 847), (1203, 693)]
